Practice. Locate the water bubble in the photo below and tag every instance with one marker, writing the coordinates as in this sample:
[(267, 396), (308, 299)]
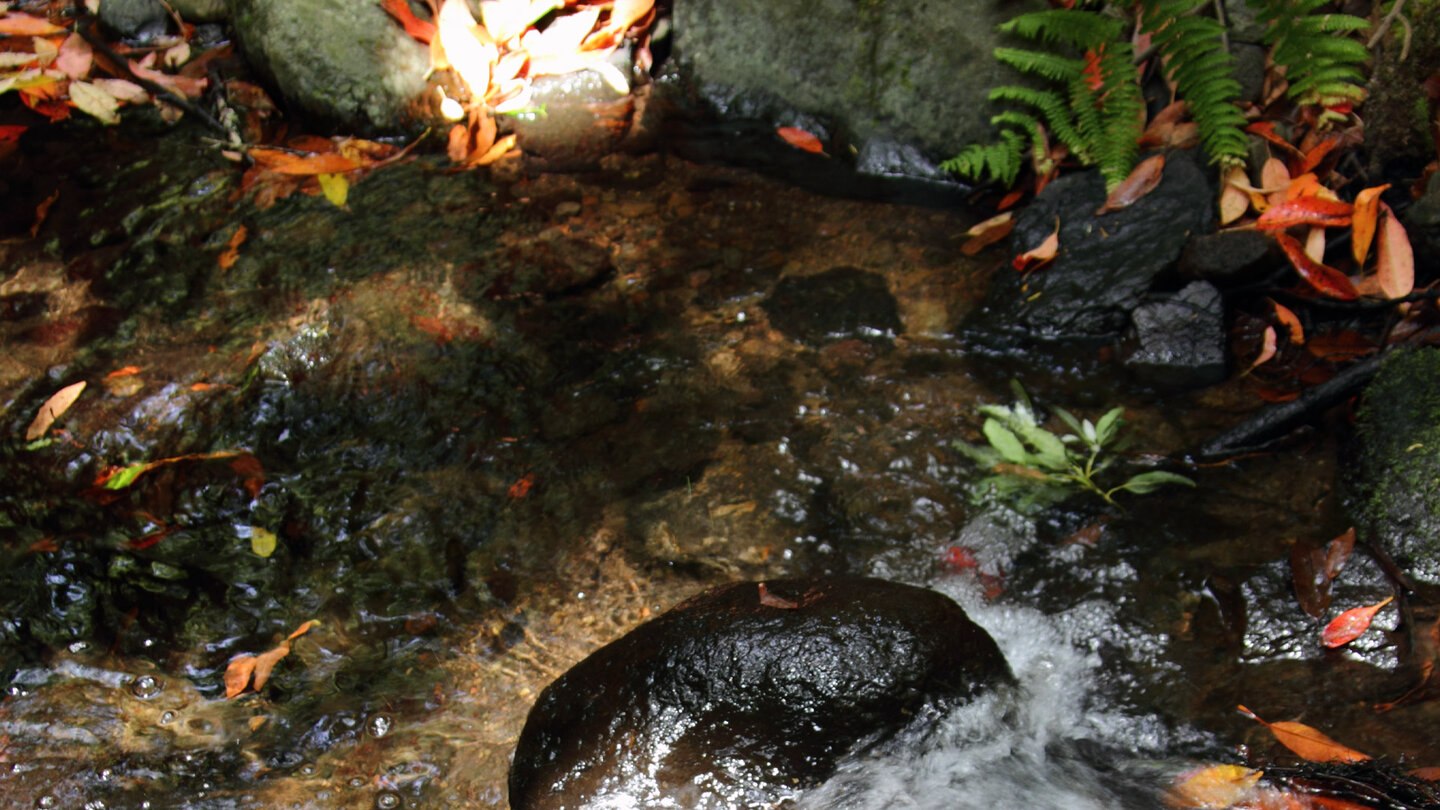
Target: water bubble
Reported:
[(146, 687), (46, 802), (357, 781), (167, 717), (94, 804), (380, 725), (78, 647), (388, 800), (307, 769)]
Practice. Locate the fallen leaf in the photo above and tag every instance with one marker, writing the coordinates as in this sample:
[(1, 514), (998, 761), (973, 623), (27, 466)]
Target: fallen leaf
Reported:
[(23, 25), (262, 541), (1307, 575), (246, 667), (521, 487), (1351, 624), (1317, 154), (123, 372), (1326, 280), (500, 149), (1308, 743), (176, 55), (1041, 253), (1009, 199), (184, 85), (96, 102), (282, 162), (771, 600), (1290, 321), (1267, 350), (75, 57), (1315, 244), (231, 254), (626, 13), (1394, 260), (265, 663), (466, 54), (123, 89), (1273, 174), (1362, 222), (57, 404), (800, 139), (1215, 787), (335, 187), (422, 30), (988, 232), (1306, 211), (1141, 181), (237, 674), (121, 477), (43, 210), (1338, 552), (562, 36), (1266, 130), (1234, 202)]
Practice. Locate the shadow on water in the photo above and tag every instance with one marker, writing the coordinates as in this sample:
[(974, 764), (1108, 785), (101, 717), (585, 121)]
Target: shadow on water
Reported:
[(493, 421)]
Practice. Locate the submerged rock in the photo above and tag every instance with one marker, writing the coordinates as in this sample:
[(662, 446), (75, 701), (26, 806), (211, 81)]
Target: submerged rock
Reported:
[(746, 693), (840, 302)]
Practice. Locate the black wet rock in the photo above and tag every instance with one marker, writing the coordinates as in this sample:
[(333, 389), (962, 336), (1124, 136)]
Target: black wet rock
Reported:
[(745, 693), (1394, 484), (1227, 258), (1106, 264), (842, 302), (1422, 225), (1179, 340)]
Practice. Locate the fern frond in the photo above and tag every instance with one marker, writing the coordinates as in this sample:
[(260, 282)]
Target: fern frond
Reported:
[(1001, 161), (1109, 110), (1078, 29), (1322, 64), (1055, 110), (1203, 73), (1040, 63)]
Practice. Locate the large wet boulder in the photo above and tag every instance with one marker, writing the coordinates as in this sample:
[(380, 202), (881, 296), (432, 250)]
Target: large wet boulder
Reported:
[(342, 61), (912, 70), (1395, 482), (747, 692), (1107, 262)]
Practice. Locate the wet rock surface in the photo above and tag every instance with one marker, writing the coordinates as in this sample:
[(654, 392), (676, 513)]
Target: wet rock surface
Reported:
[(739, 695), (838, 303), (1179, 340), (1107, 262)]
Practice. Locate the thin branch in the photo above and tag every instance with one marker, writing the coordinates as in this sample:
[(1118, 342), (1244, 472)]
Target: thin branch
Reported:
[(1385, 26)]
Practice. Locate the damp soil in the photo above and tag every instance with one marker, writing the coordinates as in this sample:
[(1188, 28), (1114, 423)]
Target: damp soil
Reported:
[(494, 419)]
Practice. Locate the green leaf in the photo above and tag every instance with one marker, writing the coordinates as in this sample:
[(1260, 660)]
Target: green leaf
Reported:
[(1069, 420), (1108, 424), (127, 476), (1004, 441), (1151, 481), (1050, 451)]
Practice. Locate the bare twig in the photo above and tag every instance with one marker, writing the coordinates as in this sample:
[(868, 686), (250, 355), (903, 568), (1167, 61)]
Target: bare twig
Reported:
[(1385, 26)]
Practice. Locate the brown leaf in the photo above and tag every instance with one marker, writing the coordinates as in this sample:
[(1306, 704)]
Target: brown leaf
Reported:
[(57, 404), (237, 674), (771, 600), (265, 663), (1307, 574), (231, 254), (1362, 223), (1338, 552), (1141, 181), (1308, 743), (1395, 261), (1351, 624), (988, 232)]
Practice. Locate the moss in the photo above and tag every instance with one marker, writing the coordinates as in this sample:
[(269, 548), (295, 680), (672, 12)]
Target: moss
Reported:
[(1397, 112)]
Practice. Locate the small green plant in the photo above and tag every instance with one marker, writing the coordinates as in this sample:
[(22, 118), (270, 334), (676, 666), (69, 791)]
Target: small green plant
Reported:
[(1040, 468)]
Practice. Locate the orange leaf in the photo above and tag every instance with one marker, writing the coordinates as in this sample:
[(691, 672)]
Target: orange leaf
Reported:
[(1395, 261), (23, 25), (1291, 323), (1314, 156), (414, 26), (1367, 207), (237, 674), (123, 372), (1306, 211), (1216, 786), (988, 232), (1266, 130), (522, 486), (1349, 625), (231, 254), (1009, 200), (1267, 350), (265, 663), (302, 630), (500, 149), (800, 139), (57, 404), (1040, 254), (1326, 280), (286, 163), (1308, 743), (626, 13), (1306, 185), (1142, 180)]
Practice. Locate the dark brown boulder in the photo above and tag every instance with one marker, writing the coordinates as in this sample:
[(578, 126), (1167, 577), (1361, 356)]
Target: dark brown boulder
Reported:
[(747, 692)]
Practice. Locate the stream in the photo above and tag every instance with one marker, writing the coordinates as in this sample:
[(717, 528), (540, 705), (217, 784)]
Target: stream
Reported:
[(491, 420)]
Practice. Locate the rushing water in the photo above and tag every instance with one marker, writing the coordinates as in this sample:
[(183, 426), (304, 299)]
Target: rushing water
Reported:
[(494, 421)]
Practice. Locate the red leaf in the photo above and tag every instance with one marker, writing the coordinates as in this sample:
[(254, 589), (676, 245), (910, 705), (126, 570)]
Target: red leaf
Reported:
[(1266, 130), (1142, 180), (521, 488), (1009, 200), (800, 139), (771, 600), (1326, 280), (414, 26), (959, 559), (1306, 211), (1349, 625)]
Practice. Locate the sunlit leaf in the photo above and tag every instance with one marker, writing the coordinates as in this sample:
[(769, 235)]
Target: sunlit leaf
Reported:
[(123, 89), (507, 19), (57, 404), (1362, 224), (335, 187), (626, 13), (1308, 743), (1326, 280), (563, 36), (1315, 244), (800, 139), (176, 55), (1306, 211), (262, 541), (1274, 175), (237, 674), (1351, 624), (96, 102), (282, 162), (1041, 253), (499, 150), (1267, 350), (1141, 181), (23, 25), (1395, 260), (1215, 787), (466, 54)]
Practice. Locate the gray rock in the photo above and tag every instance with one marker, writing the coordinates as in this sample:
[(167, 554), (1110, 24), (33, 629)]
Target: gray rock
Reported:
[(135, 20), (1422, 225), (1180, 340), (200, 11), (1394, 487), (1106, 263), (731, 701), (346, 62), (914, 70), (1227, 257)]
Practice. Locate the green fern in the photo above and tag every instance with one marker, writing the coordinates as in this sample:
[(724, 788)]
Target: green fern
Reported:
[(1321, 64), (1202, 71)]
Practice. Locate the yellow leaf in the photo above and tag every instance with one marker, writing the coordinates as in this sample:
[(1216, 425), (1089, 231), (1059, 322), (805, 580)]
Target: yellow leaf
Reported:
[(98, 103), (262, 541), (56, 405), (1215, 787), (336, 188)]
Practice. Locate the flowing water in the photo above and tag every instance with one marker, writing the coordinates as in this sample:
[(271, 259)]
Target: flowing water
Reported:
[(492, 421)]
